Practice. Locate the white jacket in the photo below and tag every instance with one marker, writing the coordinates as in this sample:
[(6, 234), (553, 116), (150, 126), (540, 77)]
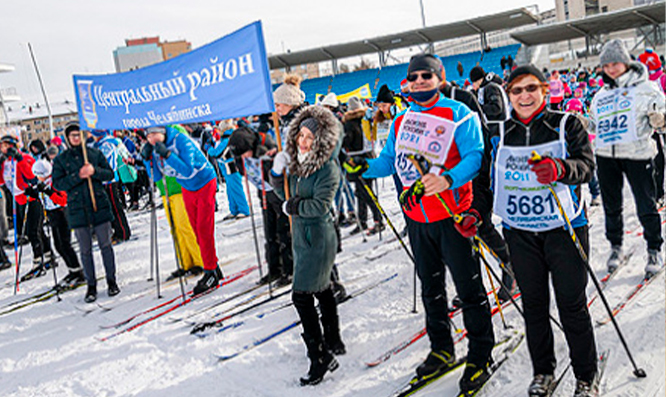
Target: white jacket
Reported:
[(648, 98)]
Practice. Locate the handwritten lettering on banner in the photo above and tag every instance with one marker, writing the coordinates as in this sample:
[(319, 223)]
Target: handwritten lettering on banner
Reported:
[(226, 78)]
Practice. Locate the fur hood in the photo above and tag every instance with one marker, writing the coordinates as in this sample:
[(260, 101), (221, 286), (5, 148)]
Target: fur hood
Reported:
[(354, 114), (326, 140)]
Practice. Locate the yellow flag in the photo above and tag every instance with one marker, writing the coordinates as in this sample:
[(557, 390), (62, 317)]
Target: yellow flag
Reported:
[(362, 92)]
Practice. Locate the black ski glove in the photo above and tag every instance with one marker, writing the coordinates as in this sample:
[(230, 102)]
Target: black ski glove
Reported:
[(14, 153), (147, 151), (31, 191), (162, 150)]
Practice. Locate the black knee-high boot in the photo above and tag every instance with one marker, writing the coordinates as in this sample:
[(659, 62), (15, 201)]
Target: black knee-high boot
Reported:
[(331, 323)]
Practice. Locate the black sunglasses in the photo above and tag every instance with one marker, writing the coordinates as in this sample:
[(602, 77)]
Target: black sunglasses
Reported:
[(412, 77), (528, 88)]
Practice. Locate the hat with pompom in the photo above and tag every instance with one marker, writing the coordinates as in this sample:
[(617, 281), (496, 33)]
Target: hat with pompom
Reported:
[(290, 92)]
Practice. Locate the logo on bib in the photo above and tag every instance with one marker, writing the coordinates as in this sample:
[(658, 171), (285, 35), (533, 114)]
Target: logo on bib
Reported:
[(440, 129)]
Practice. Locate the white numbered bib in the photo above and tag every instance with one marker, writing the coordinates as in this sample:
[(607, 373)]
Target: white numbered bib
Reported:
[(424, 134), (520, 200), (9, 174), (253, 172), (616, 119)]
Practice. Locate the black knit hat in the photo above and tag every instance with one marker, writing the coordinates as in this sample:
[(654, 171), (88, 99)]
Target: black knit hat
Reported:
[(476, 73), (38, 145), (385, 95), (242, 140), (71, 126), (525, 70), (427, 62)]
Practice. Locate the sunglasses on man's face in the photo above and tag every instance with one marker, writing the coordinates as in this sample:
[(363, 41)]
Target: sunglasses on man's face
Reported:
[(528, 88), (412, 77)]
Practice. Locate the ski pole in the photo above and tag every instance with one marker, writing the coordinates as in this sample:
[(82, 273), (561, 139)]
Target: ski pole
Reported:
[(48, 227), (16, 232), (20, 249), (154, 247), (638, 372), (457, 218), (492, 286), (254, 228), (346, 188), (395, 232), (174, 239)]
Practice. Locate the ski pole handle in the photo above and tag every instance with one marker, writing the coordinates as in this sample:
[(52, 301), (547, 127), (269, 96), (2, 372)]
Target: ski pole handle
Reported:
[(457, 218)]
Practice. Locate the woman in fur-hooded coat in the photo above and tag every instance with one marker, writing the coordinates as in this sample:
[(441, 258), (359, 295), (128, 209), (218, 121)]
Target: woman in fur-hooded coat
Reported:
[(314, 178)]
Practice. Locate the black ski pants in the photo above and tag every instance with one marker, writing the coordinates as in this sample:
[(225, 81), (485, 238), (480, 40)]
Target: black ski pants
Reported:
[(62, 238), (437, 246), (307, 312), (640, 174), (278, 237), (364, 201), (121, 229), (34, 229), (536, 257)]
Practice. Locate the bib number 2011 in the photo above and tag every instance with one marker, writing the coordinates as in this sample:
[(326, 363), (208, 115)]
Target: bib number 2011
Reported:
[(526, 205)]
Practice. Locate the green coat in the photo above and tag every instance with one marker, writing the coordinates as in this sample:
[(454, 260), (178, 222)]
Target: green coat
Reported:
[(316, 181), (79, 205)]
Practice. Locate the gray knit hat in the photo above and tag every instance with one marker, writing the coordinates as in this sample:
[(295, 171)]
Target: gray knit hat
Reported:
[(614, 51), (354, 103), (290, 92), (311, 124)]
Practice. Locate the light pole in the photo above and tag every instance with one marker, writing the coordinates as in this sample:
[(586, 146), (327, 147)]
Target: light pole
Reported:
[(431, 47)]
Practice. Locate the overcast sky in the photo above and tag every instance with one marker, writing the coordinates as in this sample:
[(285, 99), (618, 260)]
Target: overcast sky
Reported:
[(78, 36)]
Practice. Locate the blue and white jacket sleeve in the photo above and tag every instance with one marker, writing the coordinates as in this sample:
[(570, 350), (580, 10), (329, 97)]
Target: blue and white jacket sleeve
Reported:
[(384, 165), (469, 142)]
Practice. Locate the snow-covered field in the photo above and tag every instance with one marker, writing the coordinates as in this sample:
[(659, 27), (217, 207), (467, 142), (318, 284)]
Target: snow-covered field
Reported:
[(53, 349)]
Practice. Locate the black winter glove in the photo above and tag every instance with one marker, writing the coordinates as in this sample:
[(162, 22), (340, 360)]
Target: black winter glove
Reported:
[(45, 188), (290, 207), (31, 191), (355, 167), (147, 152), (14, 153), (162, 150)]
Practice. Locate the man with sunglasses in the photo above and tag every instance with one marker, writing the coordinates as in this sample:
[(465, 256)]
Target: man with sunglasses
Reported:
[(450, 135), (71, 173)]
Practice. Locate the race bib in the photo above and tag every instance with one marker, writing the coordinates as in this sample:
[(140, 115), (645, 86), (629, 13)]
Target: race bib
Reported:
[(426, 135), (520, 200), (616, 120)]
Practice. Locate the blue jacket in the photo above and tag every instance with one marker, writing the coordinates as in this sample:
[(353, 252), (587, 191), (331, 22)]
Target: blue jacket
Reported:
[(463, 161), (187, 163)]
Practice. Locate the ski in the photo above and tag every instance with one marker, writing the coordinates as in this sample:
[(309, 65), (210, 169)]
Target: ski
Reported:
[(416, 384), (222, 302), (200, 327), (420, 334), (631, 295), (601, 367), (610, 275), (42, 297), (509, 346), (294, 324), (190, 297)]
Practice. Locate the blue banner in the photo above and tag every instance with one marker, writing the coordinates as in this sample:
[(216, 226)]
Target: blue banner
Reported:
[(227, 78)]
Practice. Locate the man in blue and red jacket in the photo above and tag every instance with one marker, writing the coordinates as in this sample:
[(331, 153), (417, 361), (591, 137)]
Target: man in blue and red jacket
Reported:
[(449, 134)]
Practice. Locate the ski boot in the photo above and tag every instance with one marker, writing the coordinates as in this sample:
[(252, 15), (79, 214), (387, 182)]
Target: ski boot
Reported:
[(4, 260), (349, 220), (615, 258), (541, 386), (378, 227), (436, 363), (473, 379), (586, 389), (358, 229), (91, 294), (210, 280), (71, 280), (113, 289), (321, 361), (36, 271), (654, 263)]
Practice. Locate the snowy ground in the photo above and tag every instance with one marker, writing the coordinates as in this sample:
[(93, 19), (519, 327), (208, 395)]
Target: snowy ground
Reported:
[(53, 348)]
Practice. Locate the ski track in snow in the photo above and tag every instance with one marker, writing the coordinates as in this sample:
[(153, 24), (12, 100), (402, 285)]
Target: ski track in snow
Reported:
[(51, 348)]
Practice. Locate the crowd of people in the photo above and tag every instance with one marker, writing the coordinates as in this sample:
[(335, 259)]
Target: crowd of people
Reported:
[(505, 145)]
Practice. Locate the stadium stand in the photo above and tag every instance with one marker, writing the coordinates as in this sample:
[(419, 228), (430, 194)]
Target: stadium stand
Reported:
[(392, 75)]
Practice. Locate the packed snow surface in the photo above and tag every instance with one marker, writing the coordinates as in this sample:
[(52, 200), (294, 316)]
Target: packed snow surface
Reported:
[(53, 348)]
